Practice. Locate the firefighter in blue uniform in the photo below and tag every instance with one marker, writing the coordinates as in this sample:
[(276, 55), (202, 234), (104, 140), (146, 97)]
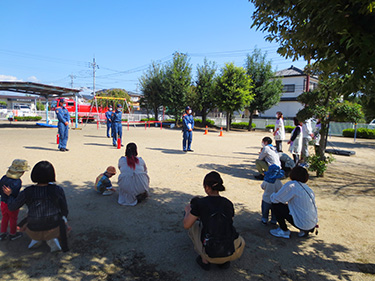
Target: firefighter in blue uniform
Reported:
[(116, 125), (108, 115), (188, 126), (63, 125)]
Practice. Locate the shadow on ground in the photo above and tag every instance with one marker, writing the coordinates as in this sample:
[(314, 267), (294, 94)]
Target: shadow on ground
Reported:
[(148, 242)]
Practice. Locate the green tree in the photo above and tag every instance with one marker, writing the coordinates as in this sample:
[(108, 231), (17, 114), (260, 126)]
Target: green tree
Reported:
[(111, 99), (267, 88), (233, 90), (177, 81), (338, 35), (40, 106), (151, 85), (325, 104), (205, 88)]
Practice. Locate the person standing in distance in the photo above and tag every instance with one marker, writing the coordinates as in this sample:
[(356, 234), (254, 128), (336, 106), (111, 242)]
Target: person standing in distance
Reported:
[(63, 125), (188, 126), (108, 115), (116, 125)]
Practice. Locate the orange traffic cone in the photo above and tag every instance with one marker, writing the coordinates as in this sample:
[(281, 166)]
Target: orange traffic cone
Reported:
[(118, 143), (221, 132), (206, 131), (57, 139)]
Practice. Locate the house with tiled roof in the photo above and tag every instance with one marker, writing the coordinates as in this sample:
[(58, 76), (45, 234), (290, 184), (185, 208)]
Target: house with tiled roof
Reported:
[(294, 82)]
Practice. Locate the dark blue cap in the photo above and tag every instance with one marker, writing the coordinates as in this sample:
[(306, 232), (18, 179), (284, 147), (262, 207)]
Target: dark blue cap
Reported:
[(187, 108)]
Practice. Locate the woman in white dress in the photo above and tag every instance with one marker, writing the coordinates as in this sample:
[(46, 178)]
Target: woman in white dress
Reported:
[(279, 133), (133, 180), (296, 140)]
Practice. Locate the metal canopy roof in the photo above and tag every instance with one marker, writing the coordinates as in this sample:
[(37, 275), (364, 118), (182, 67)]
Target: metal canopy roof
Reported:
[(37, 89)]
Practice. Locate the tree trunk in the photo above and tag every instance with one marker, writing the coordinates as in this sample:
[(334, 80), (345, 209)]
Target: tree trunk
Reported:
[(156, 112), (204, 117), (250, 122), (228, 121)]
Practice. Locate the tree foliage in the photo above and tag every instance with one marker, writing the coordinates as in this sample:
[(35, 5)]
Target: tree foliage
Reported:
[(339, 36), (151, 85), (113, 93), (233, 90), (267, 89), (205, 88), (177, 82)]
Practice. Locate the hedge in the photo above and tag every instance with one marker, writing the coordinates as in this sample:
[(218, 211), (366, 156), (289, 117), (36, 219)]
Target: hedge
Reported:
[(362, 133), (208, 121), (288, 129), (28, 118), (242, 125)]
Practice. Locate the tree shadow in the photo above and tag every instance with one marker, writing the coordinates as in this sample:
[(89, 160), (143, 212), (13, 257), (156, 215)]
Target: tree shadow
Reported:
[(167, 150), (351, 145), (99, 144), (148, 242), (41, 148), (92, 136), (235, 170)]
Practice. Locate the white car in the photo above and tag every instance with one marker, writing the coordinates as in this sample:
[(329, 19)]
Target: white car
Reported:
[(23, 110), (372, 125)]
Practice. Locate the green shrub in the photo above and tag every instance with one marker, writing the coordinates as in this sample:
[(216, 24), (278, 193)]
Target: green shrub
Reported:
[(208, 121), (289, 129), (27, 118), (362, 133), (270, 127), (148, 119), (242, 125), (319, 166)]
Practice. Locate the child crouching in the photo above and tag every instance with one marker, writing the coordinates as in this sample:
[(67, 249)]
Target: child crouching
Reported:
[(103, 183), (271, 184)]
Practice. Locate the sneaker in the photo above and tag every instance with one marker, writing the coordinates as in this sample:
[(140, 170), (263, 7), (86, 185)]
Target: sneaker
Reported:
[(303, 233), (204, 266), (15, 236), (35, 244), (62, 149), (3, 236), (264, 221), (278, 232), (190, 150), (54, 245), (107, 192)]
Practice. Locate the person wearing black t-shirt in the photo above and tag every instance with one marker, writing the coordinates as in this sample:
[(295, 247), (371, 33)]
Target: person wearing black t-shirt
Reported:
[(197, 216)]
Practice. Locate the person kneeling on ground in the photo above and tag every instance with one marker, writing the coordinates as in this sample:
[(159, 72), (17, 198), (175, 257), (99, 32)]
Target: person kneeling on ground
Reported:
[(133, 182), (103, 183), (267, 157), (210, 223), (295, 203), (47, 208)]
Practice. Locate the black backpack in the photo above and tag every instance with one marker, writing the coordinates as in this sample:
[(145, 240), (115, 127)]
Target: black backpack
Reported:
[(219, 236)]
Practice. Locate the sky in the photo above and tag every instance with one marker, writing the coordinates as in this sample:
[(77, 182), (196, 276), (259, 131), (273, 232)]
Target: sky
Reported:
[(52, 41)]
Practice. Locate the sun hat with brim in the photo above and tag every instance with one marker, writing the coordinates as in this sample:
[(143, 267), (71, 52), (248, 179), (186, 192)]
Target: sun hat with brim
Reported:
[(274, 172), (18, 167), (111, 170)]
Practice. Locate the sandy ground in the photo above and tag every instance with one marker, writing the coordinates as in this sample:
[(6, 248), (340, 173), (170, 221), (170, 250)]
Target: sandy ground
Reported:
[(148, 242)]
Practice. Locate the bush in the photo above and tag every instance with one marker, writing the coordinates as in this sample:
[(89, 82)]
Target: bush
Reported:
[(148, 119), (319, 166), (288, 129), (27, 118), (209, 122), (269, 127), (242, 125), (362, 133)]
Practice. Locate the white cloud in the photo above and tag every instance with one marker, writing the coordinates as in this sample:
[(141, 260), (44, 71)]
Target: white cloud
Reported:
[(8, 78), (32, 79)]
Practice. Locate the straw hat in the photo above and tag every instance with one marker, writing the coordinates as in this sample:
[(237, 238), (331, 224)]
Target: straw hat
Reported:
[(111, 170), (18, 167)]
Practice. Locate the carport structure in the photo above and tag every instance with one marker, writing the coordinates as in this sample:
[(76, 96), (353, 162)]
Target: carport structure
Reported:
[(46, 91)]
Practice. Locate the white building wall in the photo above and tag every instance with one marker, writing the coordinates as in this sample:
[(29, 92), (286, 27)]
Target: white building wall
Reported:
[(288, 108)]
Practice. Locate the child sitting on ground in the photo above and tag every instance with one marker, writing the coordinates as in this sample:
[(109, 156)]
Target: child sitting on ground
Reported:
[(271, 184), (103, 183), (13, 181)]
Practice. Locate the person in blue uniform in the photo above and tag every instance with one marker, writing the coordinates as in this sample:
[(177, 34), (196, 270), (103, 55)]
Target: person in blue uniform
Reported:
[(108, 115), (63, 125), (116, 125), (188, 126)]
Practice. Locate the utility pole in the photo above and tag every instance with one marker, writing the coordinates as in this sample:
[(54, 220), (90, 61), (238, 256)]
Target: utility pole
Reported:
[(94, 66), (72, 77)]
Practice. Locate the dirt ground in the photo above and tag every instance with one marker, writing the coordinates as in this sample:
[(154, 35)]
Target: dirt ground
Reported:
[(148, 242)]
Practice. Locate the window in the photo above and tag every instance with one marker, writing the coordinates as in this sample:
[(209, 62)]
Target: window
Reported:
[(289, 88)]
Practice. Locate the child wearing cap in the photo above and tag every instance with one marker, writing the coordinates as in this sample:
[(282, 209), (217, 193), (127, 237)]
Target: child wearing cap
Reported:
[(271, 184), (103, 183), (11, 180)]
